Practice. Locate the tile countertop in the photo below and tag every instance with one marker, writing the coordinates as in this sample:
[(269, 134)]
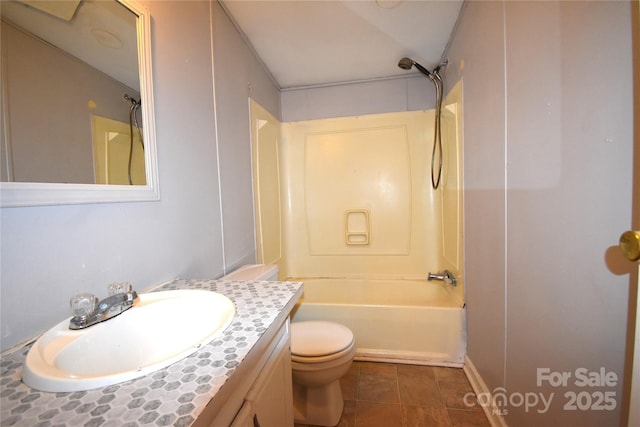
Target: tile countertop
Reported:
[(173, 396)]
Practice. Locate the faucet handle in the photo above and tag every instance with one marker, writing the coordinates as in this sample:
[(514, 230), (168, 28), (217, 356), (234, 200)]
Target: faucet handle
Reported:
[(83, 304), (449, 278), (119, 288)]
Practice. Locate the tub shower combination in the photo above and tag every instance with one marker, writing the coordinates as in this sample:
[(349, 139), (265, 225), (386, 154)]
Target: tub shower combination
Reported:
[(346, 206)]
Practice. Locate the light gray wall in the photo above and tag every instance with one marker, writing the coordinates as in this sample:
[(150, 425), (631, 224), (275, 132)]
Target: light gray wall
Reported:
[(415, 92), (50, 253), (547, 175), (477, 55), (238, 75)]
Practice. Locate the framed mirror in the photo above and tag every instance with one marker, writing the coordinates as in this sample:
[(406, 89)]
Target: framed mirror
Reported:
[(77, 103)]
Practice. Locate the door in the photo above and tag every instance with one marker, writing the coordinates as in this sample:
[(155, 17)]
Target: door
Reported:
[(634, 410), (630, 246), (630, 241)]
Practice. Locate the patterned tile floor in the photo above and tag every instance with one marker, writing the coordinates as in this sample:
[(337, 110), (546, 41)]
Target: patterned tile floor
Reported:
[(395, 395)]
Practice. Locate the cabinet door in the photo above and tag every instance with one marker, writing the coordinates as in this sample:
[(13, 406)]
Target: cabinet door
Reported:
[(245, 416), (272, 396)]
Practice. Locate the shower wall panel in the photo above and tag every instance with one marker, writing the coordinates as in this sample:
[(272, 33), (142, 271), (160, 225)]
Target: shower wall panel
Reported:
[(265, 136), (452, 181), (358, 199), (358, 191)]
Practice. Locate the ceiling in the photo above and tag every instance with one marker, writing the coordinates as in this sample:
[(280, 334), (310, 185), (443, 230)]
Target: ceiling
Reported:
[(301, 42), (319, 42), (101, 33)]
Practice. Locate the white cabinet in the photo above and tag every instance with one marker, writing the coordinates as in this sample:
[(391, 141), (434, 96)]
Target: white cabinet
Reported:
[(264, 396), (246, 417), (271, 396)]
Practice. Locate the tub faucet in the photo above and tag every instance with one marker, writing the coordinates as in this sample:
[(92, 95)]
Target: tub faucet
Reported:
[(104, 310), (446, 277)]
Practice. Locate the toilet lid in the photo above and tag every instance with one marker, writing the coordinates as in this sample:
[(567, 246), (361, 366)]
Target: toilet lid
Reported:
[(319, 338)]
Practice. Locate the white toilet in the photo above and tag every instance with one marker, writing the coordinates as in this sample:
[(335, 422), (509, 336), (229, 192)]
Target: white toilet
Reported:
[(321, 353)]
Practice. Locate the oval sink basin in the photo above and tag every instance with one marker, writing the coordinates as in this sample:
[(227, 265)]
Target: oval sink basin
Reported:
[(158, 330)]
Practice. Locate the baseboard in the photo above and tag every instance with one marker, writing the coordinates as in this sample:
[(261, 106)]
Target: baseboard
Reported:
[(479, 387), (406, 357)]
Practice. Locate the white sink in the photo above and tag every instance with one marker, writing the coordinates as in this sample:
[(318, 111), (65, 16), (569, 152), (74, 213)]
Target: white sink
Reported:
[(160, 329)]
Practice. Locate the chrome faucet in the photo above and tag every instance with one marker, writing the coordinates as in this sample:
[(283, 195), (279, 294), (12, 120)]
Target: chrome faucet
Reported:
[(88, 311), (446, 277)]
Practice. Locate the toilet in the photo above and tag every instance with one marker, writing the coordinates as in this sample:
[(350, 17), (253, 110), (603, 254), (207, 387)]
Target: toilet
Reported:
[(321, 354)]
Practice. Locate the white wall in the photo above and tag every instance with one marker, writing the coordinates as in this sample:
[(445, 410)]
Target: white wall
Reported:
[(547, 175), (50, 253)]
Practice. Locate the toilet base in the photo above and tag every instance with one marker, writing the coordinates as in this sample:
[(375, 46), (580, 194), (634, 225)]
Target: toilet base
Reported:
[(320, 406)]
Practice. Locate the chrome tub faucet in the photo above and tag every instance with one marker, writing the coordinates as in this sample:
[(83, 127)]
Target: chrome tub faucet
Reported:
[(446, 277)]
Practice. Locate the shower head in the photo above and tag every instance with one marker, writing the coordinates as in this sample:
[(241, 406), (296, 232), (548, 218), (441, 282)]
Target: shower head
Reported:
[(407, 63)]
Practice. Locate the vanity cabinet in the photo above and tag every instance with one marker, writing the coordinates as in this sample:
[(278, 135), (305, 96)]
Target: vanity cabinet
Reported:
[(264, 395), (271, 397), (269, 402)]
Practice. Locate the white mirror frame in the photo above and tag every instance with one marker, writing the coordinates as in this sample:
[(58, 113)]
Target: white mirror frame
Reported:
[(16, 194)]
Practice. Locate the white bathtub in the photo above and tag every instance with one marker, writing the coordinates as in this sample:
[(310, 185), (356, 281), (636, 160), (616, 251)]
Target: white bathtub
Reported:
[(401, 321)]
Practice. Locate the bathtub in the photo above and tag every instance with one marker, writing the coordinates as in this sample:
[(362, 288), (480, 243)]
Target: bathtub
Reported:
[(399, 321)]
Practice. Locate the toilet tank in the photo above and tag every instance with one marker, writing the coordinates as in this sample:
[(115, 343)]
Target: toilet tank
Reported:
[(254, 272)]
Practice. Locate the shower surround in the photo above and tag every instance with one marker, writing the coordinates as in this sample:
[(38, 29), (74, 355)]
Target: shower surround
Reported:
[(346, 205)]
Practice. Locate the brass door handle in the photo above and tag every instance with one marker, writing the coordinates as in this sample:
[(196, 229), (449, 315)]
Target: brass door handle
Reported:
[(630, 245)]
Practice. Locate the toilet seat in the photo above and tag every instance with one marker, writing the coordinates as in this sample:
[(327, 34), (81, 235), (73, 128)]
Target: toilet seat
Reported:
[(319, 341)]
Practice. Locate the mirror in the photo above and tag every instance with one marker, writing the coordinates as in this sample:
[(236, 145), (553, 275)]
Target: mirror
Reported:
[(77, 103)]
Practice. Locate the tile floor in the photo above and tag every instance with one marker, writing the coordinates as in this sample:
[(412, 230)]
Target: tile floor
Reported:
[(396, 395)]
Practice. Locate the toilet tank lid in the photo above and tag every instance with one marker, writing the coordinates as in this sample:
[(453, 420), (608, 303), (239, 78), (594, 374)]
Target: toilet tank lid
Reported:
[(254, 272)]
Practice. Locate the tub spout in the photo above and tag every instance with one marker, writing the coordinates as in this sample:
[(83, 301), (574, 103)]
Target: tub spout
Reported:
[(446, 277)]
